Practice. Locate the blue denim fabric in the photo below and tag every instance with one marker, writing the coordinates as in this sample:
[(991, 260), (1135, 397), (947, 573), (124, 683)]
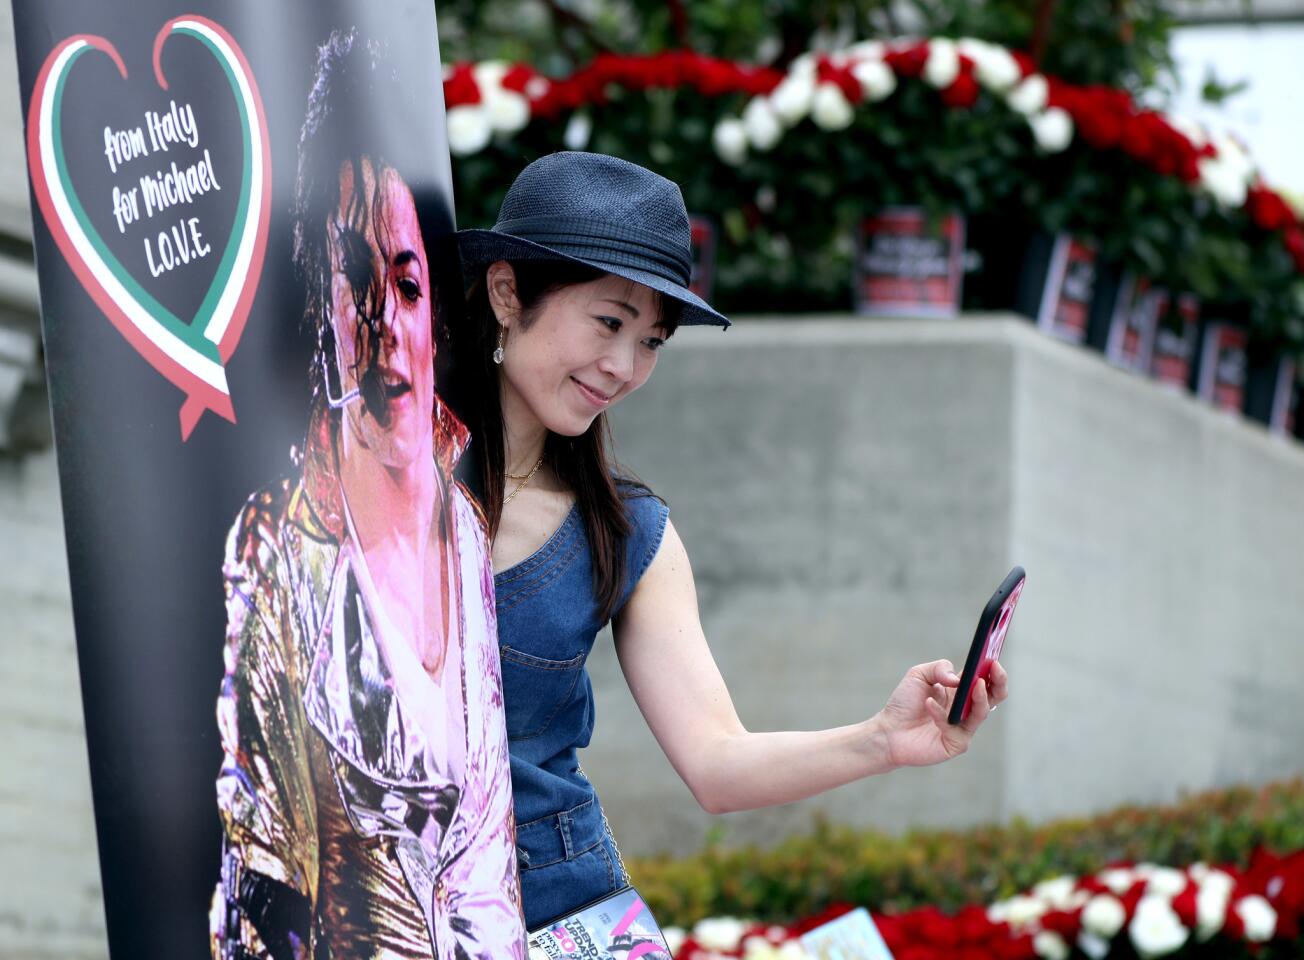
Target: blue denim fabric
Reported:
[(547, 622)]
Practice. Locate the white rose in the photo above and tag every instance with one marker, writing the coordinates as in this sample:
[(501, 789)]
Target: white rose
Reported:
[(1118, 879), (791, 99), (536, 88), (1104, 916), (578, 130), (994, 66), (730, 141), (762, 125), (719, 933), (1189, 129), (489, 73), (1156, 930), (766, 201), (1021, 911), (758, 948), (1050, 945), (793, 950), (876, 79), (1052, 129), (804, 65), (1231, 152), (508, 111), (1165, 882), (943, 64), (1095, 947), (830, 109), (1211, 901), (867, 50), (1057, 892), (1258, 916), (1029, 94), (469, 130), (674, 937), (1223, 181)]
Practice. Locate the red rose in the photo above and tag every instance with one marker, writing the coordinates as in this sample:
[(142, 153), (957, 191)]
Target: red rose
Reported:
[(962, 93), (842, 77), (1097, 115), (972, 926), (1093, 885), (908, 62), (1064, 922), (1268, 210), (1140, 139), (1027, 65), (1294, 241), (1015, 948), (518, 77), (1281, 879), (1184, 905), (1233, 926), (919, 952), (930, 925), (460, 88), (1132, 897)]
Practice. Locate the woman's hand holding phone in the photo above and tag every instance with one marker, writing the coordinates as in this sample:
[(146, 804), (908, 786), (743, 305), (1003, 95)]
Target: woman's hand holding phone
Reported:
[(935, 711), (913, 723)]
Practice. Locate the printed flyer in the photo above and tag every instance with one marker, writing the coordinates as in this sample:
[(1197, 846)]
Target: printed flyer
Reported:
[(618, 927), (908, 266), (243, 224)]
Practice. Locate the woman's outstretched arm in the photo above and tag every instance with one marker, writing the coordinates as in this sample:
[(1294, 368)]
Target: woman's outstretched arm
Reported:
[(679, 689)]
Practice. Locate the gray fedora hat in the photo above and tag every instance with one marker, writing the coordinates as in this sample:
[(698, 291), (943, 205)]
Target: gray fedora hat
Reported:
[(600, 211)]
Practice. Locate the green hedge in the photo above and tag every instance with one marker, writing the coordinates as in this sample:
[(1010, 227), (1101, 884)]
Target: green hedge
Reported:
[(950, 869)]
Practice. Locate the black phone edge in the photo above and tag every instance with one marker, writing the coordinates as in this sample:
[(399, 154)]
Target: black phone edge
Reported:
[(980, 640)]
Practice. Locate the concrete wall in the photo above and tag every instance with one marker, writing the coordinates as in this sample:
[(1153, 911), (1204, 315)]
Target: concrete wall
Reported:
[(850, 492), (50, 901)]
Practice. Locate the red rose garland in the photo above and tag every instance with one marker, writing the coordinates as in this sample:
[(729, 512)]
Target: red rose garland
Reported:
[(488, 98)]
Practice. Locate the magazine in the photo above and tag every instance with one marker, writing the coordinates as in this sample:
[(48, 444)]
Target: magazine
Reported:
[(852, 936), (617, 927)]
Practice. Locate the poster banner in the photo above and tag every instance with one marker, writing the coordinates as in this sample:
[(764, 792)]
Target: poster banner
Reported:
[(1134, 323), (1173, 356), (282, 594), (1221, 376), (1067, 289), (702, 232), (909, 266)]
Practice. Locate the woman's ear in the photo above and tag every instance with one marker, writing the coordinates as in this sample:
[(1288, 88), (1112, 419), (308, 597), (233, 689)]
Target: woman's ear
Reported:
[(500, 281)]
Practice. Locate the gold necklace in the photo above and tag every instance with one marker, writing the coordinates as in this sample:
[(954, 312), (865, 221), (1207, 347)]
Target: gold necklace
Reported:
[(524, 480)]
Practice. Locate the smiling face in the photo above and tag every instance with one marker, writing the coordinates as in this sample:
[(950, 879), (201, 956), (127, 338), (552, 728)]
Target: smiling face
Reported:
[(381, 314), (582, 349)]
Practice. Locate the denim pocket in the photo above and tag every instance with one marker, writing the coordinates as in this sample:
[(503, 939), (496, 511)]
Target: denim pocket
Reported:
[(535, 689)]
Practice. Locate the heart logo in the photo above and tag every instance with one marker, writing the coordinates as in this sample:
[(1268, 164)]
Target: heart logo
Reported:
[(192, 355)]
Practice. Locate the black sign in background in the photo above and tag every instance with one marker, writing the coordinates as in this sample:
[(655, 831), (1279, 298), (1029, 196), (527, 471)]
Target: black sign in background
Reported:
[(146, 514)]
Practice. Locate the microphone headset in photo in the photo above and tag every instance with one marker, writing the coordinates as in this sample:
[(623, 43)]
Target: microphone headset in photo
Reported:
[(339, 403)]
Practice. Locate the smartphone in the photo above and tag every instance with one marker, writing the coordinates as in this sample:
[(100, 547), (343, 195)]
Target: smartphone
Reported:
[(988, 640)]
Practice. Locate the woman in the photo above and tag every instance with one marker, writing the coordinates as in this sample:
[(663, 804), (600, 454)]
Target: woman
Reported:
[(364, 792), (579, 283)]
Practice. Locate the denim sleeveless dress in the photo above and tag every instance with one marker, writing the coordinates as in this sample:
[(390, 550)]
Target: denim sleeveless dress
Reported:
[(547, 622)]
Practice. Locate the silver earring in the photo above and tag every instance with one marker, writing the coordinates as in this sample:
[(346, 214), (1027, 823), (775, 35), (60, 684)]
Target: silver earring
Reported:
[(498, 352)]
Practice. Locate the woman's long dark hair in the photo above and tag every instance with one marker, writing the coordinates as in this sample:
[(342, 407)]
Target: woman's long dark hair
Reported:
[(584, 464)]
